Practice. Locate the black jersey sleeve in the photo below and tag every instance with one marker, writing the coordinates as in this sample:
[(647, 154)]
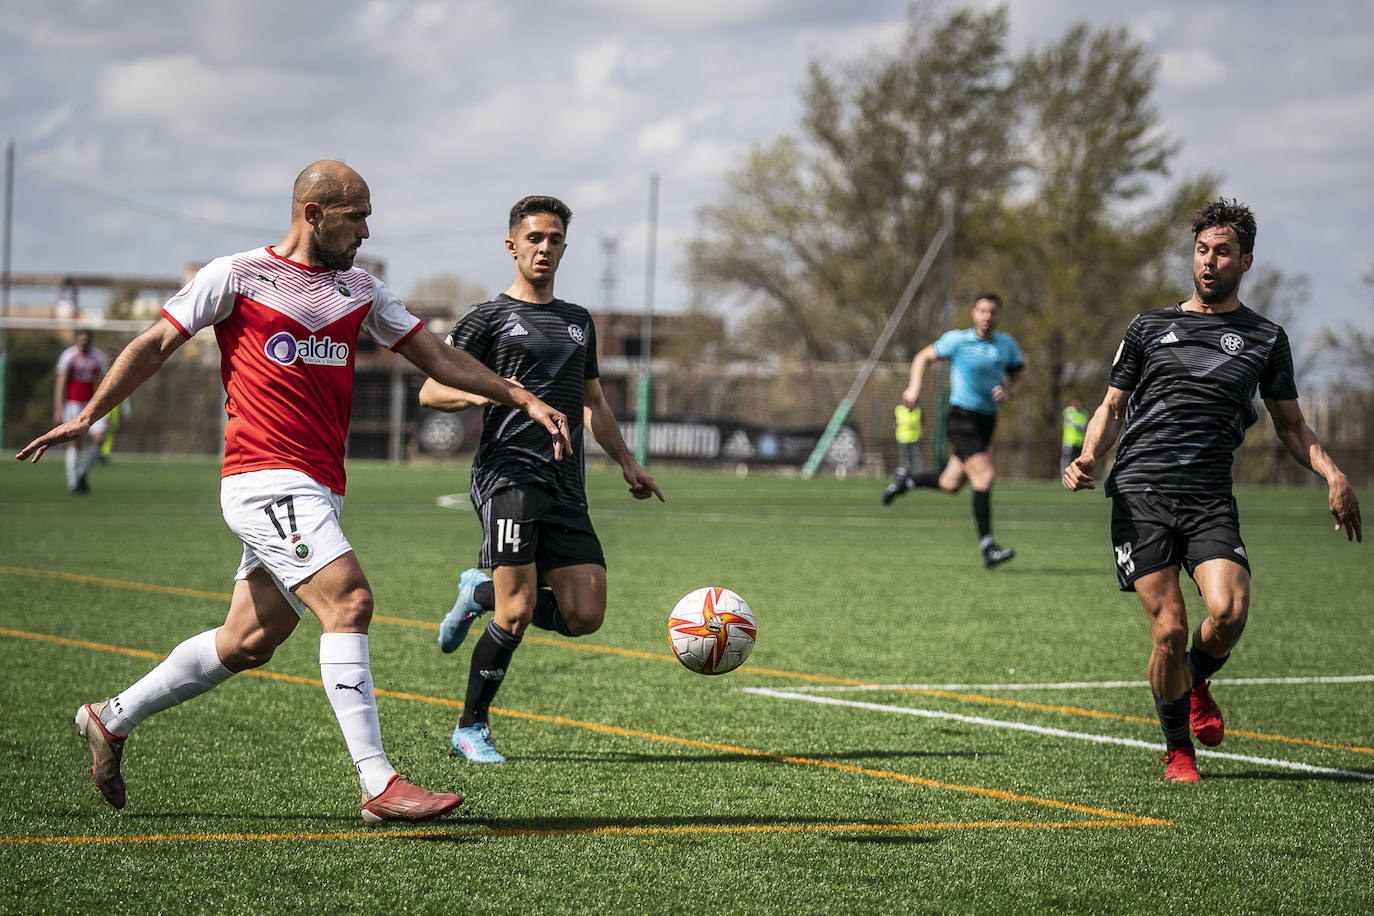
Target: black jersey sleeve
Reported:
[(1276, 382), (1125, 371), (469, 334)]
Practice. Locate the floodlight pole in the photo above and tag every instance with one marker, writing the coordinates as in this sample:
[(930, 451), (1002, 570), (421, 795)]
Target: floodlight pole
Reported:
[(642, 409), (5, 286), (832, 429)]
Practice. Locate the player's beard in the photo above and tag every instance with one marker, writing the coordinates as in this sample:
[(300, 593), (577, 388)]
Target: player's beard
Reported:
[(334, 260), (1222, 288)]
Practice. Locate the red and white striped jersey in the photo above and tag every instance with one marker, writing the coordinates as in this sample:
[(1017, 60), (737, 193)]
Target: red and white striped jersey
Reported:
[(83, 370), (287, 337)]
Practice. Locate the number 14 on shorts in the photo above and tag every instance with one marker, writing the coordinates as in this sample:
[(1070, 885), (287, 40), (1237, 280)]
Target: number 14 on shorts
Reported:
[(507, 535)]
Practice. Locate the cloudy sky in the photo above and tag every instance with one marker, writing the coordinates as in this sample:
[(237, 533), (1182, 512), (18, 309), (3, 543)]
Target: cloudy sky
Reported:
[(150, 135)]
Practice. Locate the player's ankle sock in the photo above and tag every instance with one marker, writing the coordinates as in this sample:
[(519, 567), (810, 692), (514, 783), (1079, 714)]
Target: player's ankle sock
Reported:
[(347, 676), (70, 460), (1173, 718), (490, 657), (88, 459), (925, 479), (547, 616), (191, 669), (1201, 664), (982, 514), (485, 596)]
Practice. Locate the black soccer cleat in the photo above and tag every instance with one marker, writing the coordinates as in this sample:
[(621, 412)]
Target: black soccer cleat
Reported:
[(996, 556), (901, 482)]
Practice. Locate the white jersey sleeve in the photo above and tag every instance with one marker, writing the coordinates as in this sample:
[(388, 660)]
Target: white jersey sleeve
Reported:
[(389, 322), (206, 300), (64, 360)]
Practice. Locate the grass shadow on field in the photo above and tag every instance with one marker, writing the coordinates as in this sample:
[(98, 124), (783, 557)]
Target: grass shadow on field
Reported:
[(613, 757), (590, 824), (1272, 776)]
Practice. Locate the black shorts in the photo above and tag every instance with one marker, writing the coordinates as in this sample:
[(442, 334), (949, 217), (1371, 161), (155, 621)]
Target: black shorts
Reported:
[(1151, 531), (969, 432), (523, 525)]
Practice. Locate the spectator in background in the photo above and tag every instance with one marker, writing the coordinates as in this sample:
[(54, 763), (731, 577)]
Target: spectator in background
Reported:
[(1075, 425)]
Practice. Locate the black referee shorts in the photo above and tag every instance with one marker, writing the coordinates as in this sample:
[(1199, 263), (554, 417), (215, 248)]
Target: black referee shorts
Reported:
[(524, 524), (969, 432), (1151, 531)]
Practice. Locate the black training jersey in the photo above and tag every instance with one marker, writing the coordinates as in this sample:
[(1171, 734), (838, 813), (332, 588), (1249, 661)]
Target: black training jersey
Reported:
[(1193, 378), (551, 350)]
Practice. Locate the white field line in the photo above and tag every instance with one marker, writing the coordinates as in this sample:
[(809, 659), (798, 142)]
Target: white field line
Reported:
[(1053, 732), (1089, 685)]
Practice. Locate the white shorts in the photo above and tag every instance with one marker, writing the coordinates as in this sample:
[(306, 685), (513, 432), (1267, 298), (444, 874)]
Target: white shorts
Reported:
[(289, 524), (72, 408)]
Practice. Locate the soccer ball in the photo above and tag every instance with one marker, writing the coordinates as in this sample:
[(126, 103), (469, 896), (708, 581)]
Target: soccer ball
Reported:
[(712, 630)]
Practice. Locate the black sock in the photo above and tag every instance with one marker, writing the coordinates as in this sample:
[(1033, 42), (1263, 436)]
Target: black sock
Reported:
[(485, 596), (982, 512), (546, 613), (1200, 664), (490, 657), (925, 479), (1173, 718)]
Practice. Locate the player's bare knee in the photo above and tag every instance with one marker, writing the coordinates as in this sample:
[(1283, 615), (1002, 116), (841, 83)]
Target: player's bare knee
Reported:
[(353, 612), (251, 650), (1229, 621), (584, 624), (1170, 635)]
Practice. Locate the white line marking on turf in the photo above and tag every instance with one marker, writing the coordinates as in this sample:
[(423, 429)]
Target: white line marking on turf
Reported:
[(1083, 685), (1054, 732)]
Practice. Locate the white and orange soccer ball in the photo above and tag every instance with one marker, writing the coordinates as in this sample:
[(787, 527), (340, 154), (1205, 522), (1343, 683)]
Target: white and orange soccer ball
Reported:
[(712, 630)]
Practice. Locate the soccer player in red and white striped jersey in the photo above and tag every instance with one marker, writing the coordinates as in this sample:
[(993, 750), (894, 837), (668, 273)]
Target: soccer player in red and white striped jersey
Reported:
[(287, 319), (79, 368)]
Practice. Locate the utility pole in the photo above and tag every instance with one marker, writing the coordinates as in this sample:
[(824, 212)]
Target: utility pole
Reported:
[(5, 287), (646, 328)]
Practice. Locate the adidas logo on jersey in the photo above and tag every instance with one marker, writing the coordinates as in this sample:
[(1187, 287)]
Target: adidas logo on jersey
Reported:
[(518, 331), (1169, 338)]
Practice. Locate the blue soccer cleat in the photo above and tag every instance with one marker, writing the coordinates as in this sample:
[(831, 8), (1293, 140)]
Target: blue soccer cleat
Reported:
[(474, 743), (458, 621)]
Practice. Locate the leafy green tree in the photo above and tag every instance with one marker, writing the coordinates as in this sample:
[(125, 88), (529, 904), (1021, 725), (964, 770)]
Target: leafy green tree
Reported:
[(819, 234), (1076, 253)]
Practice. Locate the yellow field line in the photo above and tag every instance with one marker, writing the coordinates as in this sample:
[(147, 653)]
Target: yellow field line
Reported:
[(497, 832), (653, 656), (665, 739)]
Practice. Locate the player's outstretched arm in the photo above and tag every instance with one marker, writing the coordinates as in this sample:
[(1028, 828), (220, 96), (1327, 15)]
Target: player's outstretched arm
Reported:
[(598, 418), (439, 396), (1101, 434), (135, 364), (460, 371), (924, 358), (1302, 444)]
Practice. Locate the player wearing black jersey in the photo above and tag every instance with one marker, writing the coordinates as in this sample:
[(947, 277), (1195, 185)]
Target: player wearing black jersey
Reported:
[(533, 510), (1181, 396)]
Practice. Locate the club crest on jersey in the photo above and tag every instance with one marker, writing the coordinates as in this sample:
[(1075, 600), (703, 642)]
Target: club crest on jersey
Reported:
[(1232, 343), (342, 289), (285, 349), (577, 334)]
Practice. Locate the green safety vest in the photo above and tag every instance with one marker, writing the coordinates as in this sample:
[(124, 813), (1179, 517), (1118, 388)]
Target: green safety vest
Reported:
[(1075, 425), (908, 423)]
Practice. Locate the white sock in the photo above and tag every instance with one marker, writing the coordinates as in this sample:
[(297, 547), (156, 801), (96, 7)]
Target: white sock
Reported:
[(347, 678), (191, 669), (71, 467), (88, 458)]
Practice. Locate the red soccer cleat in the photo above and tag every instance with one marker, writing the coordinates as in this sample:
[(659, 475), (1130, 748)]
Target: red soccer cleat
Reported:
[(1180, 765), (1205, 717), (106, 750), (400, 801)]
